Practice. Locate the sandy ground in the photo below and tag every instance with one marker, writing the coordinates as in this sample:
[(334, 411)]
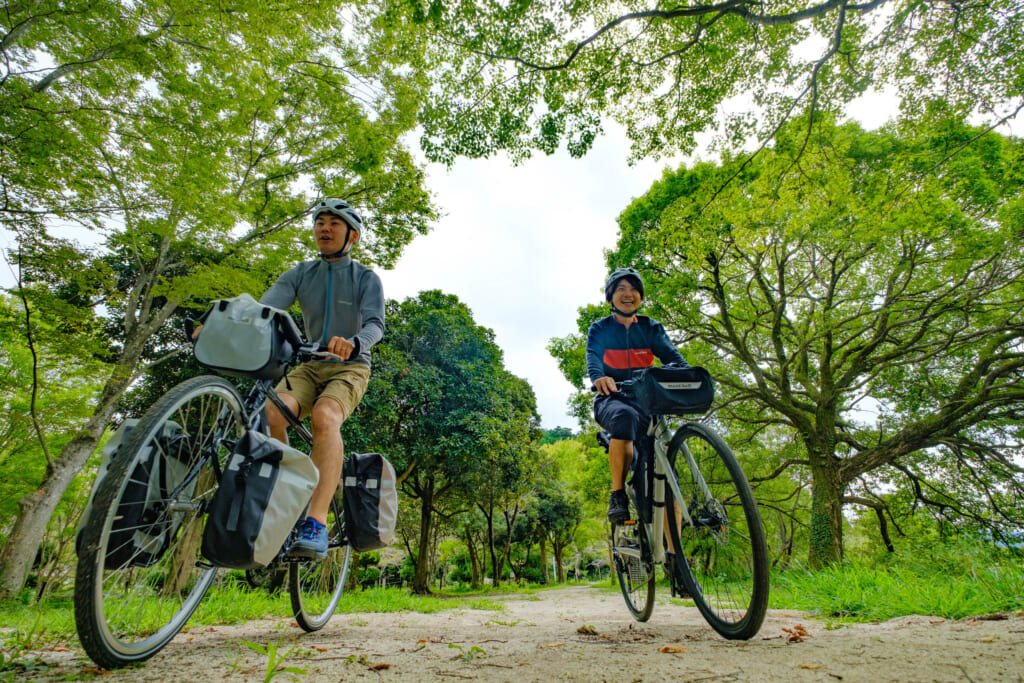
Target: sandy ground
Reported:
[(581, 634)]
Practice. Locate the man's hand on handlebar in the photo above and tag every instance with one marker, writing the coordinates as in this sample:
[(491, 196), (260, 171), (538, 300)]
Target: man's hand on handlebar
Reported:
[(341, 347), (605, 386)]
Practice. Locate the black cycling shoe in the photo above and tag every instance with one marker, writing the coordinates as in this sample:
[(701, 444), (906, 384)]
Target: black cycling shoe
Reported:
[(618, 507)]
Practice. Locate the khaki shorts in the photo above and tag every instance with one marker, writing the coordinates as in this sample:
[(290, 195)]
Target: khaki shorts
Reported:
[(343, 382)]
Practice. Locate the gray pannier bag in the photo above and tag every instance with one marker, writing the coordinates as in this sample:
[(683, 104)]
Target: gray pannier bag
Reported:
[(243, 338), (142, 529), (264, 490), (370, 500)]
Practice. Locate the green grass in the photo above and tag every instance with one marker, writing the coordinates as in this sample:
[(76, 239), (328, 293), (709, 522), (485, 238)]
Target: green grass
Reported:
[(950, 581)]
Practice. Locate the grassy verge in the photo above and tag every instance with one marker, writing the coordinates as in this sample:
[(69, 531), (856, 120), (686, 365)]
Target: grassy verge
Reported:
[(950, 581)]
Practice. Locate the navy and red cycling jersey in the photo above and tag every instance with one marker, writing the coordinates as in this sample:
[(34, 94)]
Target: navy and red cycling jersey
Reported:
[(613, 350)]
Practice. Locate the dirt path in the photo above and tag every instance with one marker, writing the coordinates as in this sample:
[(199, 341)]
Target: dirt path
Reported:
[(547, 637)]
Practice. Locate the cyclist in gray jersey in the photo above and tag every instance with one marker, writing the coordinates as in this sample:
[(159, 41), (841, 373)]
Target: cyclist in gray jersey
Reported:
[(342, 305)]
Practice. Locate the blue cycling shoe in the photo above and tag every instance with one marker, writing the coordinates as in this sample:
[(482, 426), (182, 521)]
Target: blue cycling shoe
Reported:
[(312, 540)]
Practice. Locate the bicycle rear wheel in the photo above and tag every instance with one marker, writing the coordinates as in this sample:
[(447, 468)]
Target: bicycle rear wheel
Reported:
[(317, 585), (138, 578), (725, 570), (631, 554)]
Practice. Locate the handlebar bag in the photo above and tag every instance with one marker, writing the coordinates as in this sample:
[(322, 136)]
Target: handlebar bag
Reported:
[(370, 499), (243, 338), (674, 391), (265, 488)]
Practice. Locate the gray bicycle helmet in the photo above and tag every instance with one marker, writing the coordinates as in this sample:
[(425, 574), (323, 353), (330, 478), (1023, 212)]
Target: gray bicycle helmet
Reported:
[(344, 211), (618, 274)]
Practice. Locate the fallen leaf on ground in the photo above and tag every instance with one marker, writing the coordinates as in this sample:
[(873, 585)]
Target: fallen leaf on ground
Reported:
[(555, 645), (380, 667), (672, 649), (812, 667), (796, 634), (587, 630)]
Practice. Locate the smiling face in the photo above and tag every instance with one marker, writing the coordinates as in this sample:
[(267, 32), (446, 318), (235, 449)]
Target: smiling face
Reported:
[(626, 297), (330, 231)]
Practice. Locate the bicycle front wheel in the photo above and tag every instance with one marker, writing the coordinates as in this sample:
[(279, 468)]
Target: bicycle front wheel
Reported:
[(316, 585), (631, 554), (725, 570), (139, 576)]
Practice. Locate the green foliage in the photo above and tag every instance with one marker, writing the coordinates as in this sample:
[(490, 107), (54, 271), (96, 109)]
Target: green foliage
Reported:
[(556, 434), (275, 659), (525, 77), (442, 406)]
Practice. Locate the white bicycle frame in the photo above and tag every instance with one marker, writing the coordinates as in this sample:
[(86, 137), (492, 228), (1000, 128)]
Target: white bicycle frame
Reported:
[(662, 433)]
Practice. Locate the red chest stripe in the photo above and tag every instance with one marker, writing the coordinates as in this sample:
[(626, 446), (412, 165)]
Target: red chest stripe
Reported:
[(621, 359)]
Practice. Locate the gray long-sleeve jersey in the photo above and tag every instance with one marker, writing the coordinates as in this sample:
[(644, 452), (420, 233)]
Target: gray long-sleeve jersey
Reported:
[(340, 298)]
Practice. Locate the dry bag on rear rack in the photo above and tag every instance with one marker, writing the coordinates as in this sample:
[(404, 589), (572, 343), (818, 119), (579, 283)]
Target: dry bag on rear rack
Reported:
[(243, 338), (264, 489), (370, 500), (143, 528), (672, 390)]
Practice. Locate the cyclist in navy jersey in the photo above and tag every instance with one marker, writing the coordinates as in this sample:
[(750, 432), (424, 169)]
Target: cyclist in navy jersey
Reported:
[(616, 346)]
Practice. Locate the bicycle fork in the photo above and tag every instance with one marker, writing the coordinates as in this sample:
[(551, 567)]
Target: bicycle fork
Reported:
[(659, 429)]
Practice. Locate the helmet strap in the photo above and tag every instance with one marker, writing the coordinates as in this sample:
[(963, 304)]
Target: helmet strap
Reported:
[(624, 315)]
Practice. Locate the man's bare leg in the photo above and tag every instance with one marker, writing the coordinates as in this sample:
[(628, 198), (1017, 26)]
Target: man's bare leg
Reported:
[(620, 457)]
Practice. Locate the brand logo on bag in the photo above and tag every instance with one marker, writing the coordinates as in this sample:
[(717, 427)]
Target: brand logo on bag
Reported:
[(675, 386)]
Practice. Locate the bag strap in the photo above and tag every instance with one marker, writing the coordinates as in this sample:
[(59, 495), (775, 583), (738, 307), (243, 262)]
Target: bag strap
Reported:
[(241, 477)]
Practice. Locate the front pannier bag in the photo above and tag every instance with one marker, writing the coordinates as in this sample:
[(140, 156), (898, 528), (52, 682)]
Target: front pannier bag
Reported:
[(243, 338), (672, 390), (264, 490), (370, 500), (143, 527)]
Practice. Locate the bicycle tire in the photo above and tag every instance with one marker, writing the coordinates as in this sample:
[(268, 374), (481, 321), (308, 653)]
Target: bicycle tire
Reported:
[(631, 556), (725, 555), (126, 613), (316, 585)]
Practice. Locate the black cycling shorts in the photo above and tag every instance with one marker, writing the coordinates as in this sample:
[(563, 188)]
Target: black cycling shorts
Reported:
[(620, 418)]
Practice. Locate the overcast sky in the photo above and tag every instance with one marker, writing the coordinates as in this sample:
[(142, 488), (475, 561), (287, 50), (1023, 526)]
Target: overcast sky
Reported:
[(523, 246)]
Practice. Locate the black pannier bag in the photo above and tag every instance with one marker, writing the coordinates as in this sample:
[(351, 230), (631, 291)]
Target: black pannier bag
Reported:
[(370, 501), (243, 338), (642, 479), (672, 390), (264, 490), (143, 528)]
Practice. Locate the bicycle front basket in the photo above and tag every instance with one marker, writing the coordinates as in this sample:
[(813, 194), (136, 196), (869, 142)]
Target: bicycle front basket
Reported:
[(674, 391)]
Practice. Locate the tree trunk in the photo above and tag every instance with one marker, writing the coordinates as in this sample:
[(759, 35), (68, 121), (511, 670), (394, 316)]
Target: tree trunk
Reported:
[(495, 565), (36, 508), (826, 541), (559, 570), (421, 579), (476, 576), (543, 560)]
